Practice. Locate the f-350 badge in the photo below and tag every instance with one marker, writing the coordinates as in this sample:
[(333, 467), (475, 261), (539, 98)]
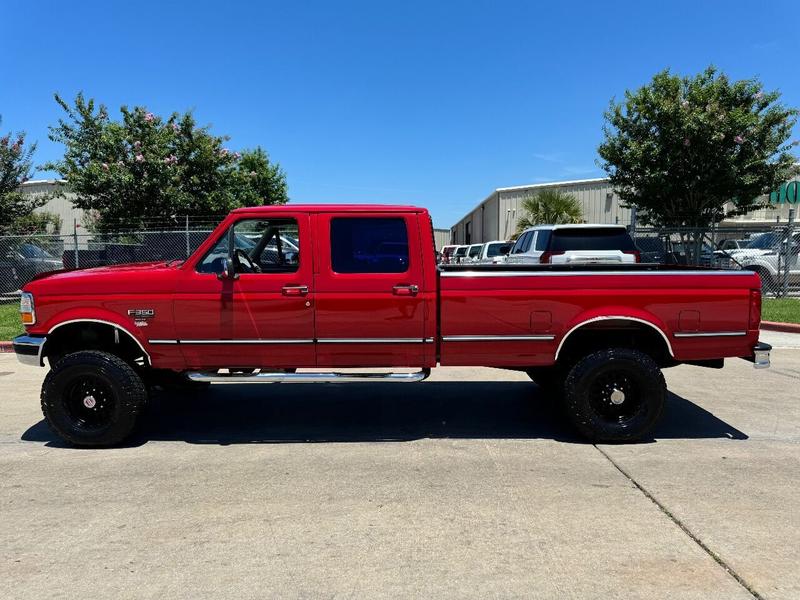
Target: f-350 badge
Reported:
[(140, 315)]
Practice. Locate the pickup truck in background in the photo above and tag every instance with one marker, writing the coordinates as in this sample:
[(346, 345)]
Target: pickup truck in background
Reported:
[(276, 291)]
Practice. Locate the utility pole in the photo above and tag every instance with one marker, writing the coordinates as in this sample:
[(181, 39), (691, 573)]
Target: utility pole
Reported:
[(75, 239), (789, 248)]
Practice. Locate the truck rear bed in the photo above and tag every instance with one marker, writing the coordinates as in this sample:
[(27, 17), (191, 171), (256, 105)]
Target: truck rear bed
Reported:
[(520, 315)]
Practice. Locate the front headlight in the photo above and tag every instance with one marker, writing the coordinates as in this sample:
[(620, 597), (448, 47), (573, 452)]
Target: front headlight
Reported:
[(26, 309)]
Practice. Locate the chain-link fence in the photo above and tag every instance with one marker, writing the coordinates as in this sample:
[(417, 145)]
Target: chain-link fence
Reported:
[(770, 251), (22, 257)]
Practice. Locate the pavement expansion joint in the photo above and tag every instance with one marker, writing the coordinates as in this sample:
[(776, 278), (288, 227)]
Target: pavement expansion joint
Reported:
[(716, 557)]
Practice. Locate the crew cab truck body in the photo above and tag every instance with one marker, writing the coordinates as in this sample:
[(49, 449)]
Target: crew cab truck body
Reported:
[(359, 287)]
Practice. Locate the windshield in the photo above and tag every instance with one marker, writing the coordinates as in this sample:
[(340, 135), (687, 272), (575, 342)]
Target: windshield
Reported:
[(495, 249), (765, 241), (595, 238), (474, 251), (31, 251), (461, 251)]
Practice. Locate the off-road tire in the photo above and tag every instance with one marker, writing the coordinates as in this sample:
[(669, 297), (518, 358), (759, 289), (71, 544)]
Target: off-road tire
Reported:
[(115, 389), (588, 395)]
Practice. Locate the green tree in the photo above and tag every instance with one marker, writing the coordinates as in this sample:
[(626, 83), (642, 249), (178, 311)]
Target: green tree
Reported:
[(549, 207), (680, 148), (148, 167), (259, 181), (35, 223), (16, 164)]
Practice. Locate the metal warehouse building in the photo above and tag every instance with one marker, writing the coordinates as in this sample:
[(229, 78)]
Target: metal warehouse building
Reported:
[(496, 217)]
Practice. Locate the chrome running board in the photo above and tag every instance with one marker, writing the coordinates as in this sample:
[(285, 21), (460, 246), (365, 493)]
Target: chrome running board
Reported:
[(271, 377)]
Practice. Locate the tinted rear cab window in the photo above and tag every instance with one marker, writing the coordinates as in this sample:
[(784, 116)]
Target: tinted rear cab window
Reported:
[(369, 245), (600, 238)]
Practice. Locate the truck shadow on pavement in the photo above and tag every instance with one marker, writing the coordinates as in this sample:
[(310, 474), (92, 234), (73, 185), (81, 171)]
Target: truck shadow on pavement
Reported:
[(241, 413)]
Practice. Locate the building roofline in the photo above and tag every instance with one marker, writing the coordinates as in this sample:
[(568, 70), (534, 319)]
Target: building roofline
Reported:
[(40, 181), (551, 184), (527, 187)]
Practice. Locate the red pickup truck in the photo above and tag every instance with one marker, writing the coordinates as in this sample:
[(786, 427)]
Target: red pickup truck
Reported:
[(275, 292)]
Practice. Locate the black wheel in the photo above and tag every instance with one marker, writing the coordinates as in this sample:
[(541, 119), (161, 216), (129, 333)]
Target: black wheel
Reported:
[(615, 395), (92, 398)]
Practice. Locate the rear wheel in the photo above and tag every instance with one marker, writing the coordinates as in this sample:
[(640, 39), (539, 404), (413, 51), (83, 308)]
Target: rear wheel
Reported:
[(92, 398), (615, 395)]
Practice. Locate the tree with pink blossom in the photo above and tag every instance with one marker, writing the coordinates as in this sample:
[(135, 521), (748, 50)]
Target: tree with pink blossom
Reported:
[(16, 166), (143, 166), (690, 151)]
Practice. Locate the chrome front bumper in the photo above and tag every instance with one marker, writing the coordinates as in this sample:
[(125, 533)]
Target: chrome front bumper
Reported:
[(28, 349), (761, 355)]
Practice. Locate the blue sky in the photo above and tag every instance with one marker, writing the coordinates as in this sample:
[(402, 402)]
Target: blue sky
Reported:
[(430, 103)]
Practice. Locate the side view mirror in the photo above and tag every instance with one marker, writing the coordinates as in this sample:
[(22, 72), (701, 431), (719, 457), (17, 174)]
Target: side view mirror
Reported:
[(228, 271)]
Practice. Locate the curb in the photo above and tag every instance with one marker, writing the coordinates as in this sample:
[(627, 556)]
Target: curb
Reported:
[(785, 327), (6, 347)]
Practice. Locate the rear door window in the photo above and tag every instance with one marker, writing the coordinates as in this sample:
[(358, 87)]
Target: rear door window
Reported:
[(542, 239), (529, 242), (521, 241), (600, 238), (369, 245)]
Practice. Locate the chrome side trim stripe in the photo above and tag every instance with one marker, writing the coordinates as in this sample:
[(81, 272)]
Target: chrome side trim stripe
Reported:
[(198, 342), (500, 273), (370, 340), (497, 338), (279, 341), (300, 341), (709, 334)]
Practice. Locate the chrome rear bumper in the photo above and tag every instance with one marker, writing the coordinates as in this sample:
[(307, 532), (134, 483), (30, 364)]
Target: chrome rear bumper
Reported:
[(28, 349)]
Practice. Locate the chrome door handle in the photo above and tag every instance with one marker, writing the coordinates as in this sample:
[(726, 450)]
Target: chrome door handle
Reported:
[(405, 290), (294, 290)]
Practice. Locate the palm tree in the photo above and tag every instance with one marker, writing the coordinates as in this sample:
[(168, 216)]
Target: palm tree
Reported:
[(549, 207)]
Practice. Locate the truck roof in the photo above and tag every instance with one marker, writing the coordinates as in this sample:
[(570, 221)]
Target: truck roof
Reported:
[(320, 208)]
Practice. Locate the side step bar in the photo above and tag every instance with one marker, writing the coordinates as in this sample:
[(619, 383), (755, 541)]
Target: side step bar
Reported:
[(309, 377)]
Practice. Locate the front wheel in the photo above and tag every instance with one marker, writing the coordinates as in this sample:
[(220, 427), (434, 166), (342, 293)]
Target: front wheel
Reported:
[(92, 398), (615, 395)]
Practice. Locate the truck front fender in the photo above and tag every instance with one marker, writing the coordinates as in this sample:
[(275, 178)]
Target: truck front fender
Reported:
[(97, 315)]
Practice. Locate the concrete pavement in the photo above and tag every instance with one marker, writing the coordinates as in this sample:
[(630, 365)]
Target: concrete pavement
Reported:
[(467, 485)]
